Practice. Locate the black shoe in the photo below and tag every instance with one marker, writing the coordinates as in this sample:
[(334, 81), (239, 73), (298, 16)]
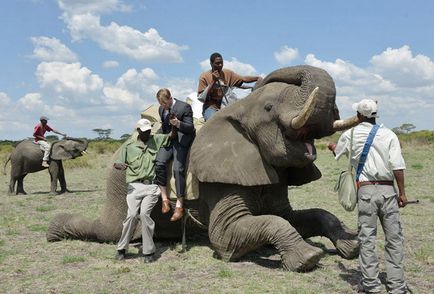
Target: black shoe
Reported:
[(120, 255), (148, 258)]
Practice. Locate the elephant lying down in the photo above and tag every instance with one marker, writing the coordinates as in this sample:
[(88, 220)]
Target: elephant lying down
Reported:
[(245, 157)]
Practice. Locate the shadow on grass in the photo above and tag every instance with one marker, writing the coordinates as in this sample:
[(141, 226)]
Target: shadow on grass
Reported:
[(352, 276), (68, 192)]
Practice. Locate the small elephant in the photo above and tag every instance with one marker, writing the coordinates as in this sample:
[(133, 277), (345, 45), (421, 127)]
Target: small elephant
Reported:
[(245, 157), (27, 158)]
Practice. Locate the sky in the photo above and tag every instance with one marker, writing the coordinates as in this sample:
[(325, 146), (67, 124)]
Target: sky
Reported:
[(89, 64)]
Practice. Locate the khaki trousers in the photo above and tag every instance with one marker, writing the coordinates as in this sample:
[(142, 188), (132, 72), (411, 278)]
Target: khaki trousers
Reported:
[(380, 202), (45, 146), (141, 199)]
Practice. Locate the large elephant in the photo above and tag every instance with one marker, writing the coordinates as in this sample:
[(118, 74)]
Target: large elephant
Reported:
[(245, 157), (27, 158)]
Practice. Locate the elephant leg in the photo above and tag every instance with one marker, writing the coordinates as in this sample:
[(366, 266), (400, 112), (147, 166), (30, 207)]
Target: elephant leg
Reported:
[(12, 183), (54, 175), (234, 231), (61, 177), (20, 185), (319, 222)]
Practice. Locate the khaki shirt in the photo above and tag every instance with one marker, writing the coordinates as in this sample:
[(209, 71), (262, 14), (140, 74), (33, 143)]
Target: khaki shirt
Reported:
[(140, 157), (215, 94)]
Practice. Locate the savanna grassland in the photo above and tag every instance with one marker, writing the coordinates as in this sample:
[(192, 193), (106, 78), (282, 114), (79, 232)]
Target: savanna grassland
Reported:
[(29, 264)]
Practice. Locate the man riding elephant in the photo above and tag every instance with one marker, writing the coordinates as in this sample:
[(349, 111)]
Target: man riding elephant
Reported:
[(245, 160)]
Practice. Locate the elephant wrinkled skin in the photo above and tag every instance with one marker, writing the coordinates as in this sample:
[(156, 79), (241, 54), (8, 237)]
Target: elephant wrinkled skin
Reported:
[(245, 157), (27, 158)]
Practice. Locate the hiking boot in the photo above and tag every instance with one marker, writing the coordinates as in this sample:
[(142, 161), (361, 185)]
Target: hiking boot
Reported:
[(360, 289), (45, 164), (120, 255)]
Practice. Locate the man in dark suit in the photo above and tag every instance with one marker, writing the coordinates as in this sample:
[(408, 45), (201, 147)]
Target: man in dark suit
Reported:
[(176, 117)]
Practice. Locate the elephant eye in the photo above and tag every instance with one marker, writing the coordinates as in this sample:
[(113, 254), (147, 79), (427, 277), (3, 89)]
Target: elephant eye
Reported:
[(268, 106)]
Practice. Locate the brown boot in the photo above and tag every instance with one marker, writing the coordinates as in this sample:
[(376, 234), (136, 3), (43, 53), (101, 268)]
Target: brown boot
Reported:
[(177, 215), (165, 206)]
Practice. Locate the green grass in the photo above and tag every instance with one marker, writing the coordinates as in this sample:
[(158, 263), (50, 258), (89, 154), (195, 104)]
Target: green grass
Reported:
[(29, 264), (72, 259)]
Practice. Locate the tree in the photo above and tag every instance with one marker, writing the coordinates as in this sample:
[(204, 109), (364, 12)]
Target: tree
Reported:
[(52, 138), (407, 127), (103, 134), (125, 137)]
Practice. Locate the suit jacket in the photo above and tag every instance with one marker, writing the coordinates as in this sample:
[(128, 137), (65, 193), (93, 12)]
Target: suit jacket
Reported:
[(184, 114)]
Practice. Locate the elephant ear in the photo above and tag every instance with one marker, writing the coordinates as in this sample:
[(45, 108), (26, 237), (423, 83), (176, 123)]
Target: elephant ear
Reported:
[(230, 157), (59, 152)]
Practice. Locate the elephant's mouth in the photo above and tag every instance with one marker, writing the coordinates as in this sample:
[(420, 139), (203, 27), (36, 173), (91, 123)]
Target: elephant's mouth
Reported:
[(310, 153)]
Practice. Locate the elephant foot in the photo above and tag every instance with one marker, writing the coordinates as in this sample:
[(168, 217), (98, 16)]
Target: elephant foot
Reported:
[(302, 257), (64, 191), (347, 245), (21, 193)]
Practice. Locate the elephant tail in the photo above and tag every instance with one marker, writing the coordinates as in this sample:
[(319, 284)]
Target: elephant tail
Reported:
[(6, 162), (71, 226)]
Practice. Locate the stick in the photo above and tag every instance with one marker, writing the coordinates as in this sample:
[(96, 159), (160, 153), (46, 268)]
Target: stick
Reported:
[(412, 202)]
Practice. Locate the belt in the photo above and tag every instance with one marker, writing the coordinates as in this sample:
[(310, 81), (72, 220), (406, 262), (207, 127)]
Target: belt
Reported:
[(366, 183), (146, 182)]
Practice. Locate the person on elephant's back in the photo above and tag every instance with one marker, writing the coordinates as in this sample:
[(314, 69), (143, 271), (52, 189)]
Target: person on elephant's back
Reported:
[(137, 156), (177, 119), (39, 132), (216, 81)]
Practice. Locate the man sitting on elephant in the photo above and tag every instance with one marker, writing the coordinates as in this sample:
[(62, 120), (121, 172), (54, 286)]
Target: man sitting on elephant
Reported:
[(39, 132), (177, 118), (137, 157), (214, 82)]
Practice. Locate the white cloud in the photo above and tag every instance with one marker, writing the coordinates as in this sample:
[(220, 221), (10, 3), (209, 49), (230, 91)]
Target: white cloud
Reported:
[(4, 99), (92, 6), (352, 76), (110, 64), (400, 66), (31, 101), (124, 40), (67, 77), (51, 49), (286, 55), (403, 85), (240, 68)]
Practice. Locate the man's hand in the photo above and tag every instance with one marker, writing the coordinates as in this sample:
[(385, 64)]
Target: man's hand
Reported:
[(215, 75), (331, 147), (175, 122), (120, 166), (402, 200)]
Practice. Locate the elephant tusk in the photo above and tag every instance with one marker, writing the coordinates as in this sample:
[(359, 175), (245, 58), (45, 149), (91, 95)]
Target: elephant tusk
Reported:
[(344, 124), (83, 152), (300, 120)]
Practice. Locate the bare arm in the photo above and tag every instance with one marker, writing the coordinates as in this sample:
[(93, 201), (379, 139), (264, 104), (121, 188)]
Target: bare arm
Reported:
[(332, 148), (399, 176), (57, 132)]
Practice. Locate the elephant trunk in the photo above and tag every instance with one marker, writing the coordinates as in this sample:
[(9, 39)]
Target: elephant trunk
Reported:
[(70, 226)]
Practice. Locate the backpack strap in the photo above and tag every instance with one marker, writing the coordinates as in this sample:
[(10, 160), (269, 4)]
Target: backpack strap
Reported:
[(365, 151)]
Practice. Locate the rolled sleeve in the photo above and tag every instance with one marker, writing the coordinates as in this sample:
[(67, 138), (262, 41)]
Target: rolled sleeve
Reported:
[(342, 147)]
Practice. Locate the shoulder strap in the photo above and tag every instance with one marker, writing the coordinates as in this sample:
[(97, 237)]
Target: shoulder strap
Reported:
[(365, 151), (351, 150)]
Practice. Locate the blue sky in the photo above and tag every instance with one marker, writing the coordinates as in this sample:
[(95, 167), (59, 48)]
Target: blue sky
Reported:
[(97, 64)]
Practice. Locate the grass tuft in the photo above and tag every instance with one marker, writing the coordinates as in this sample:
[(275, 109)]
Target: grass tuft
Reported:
[(72, 259), (45, 208)]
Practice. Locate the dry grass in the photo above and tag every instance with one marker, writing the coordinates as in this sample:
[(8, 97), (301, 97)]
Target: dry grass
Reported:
[(28, 264)]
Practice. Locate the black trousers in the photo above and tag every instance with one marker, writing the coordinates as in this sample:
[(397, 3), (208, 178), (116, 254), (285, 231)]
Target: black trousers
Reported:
[(178, 153)]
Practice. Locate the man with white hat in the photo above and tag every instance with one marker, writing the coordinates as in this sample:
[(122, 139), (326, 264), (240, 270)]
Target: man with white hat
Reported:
[(377, 196), (39, 132), (137, 156)]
